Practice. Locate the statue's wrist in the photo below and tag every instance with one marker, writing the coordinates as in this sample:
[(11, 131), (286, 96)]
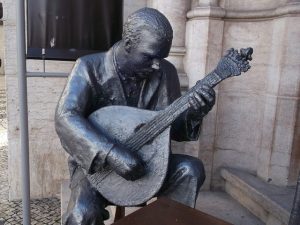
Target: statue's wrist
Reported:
[(194, 115)]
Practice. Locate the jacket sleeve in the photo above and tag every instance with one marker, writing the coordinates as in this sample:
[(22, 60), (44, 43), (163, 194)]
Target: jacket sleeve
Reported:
[(77, 135)]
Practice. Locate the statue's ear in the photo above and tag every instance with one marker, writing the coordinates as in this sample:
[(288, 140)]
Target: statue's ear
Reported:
[(127, 44)]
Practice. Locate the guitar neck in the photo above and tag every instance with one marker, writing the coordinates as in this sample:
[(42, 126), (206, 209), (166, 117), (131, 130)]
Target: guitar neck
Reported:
[(167, 116)]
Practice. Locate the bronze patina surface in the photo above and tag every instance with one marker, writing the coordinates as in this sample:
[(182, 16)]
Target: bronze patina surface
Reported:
[(117, 114)]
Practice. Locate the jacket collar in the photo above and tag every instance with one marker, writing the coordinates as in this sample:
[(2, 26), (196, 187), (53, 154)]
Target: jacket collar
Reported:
[(112, 81)]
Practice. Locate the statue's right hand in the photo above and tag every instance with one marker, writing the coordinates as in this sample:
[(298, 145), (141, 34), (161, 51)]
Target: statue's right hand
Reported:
[(125, 163)]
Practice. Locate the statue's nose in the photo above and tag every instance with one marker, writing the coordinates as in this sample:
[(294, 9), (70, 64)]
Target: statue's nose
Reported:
[(155, 64)]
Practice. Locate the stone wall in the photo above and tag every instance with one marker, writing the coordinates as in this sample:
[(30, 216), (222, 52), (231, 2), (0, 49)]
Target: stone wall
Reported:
[(255, 124)]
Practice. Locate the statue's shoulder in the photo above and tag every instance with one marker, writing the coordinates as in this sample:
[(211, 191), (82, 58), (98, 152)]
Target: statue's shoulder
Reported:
[(92, 60), (86, 66)]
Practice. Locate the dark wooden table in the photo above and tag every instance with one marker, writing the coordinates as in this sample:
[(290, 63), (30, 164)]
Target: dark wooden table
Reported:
[(167, 212)]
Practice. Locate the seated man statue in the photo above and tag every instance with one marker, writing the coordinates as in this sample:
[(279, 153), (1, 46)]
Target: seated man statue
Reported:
[(132, 73)]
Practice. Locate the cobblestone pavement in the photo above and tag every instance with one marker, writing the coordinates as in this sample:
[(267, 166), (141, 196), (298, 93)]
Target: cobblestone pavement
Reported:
[(43, 211)]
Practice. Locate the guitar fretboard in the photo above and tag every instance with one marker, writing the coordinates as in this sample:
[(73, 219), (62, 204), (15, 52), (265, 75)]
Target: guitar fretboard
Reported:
[(167, 116)]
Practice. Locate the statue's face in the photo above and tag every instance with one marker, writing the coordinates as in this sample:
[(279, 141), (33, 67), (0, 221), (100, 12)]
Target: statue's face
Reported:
[(145, 57)]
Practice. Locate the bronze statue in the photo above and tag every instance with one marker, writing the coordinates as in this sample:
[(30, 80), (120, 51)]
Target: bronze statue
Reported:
[(117, 114)]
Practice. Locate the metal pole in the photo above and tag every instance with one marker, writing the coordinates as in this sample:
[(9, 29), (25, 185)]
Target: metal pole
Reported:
[(46, 74), (295, 213), (24, 146)]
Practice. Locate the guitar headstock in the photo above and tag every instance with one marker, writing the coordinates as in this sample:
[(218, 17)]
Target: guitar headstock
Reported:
[(234, 62)]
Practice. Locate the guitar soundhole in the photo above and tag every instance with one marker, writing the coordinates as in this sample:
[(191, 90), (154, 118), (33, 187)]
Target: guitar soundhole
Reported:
[(139, 127)]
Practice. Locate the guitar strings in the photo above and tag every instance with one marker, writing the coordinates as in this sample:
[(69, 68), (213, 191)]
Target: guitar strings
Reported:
[(150, 130)]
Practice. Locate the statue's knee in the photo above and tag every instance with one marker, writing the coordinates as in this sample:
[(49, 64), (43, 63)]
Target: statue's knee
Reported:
[(73, 218), (83, 216), (195, 168), (86, 206), (201, 172)]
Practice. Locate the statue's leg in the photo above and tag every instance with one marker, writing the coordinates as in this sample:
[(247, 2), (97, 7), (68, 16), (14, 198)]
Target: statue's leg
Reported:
[(185, 177), (86, 205)]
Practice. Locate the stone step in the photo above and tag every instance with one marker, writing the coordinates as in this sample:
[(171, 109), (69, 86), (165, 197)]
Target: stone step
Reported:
[(272, 204), (223, 206)]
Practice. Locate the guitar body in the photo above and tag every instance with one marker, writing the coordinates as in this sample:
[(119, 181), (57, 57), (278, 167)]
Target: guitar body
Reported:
[(119, 123)]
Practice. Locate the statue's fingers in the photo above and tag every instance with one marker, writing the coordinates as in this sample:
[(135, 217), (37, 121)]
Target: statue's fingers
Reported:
[(206, 89), (203, 87), (209, 90), (207, 97), (193, 103), (210, 99), (212, 93), (199, 99)]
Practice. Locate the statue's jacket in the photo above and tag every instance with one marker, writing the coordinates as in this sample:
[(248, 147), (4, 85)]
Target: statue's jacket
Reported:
[(93, 84)]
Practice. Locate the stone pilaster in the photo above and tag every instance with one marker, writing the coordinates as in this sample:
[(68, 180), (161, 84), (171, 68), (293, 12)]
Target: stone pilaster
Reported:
[(204, 35), (131, 6), (203, 39), (280, 153)]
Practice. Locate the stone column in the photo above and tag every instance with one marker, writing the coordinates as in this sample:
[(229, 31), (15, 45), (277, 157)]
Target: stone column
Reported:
[(279, 158), (175, 11), (204, 35), (294, 38), (203, 39)]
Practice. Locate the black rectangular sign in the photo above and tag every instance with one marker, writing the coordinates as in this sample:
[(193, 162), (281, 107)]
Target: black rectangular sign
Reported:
[(68, 29)]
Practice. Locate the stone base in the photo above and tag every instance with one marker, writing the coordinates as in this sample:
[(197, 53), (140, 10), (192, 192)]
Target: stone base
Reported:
[(224, 207), (272, 204)]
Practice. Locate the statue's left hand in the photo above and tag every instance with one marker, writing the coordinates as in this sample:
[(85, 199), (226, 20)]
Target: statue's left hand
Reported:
[(201, 102)]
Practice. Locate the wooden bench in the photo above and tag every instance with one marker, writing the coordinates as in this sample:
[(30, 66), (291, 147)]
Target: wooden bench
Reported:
[(167, 212)]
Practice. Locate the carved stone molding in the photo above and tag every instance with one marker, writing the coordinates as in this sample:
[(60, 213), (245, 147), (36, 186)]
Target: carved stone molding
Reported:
[(293, 1), (180, 51), (213, 12), (292, 8), (208, 2)]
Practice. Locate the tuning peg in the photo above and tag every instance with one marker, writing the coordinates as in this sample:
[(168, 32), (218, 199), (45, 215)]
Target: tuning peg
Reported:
[(247, 53)]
